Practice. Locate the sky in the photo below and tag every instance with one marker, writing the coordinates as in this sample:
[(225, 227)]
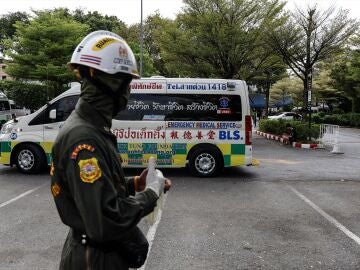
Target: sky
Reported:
[(129, 11)]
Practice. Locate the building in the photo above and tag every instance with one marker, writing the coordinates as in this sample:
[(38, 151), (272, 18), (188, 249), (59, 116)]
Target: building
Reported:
[(3, 75)]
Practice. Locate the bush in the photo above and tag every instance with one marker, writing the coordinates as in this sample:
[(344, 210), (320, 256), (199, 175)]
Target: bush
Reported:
[(272, 126), (316, 118), (349, 119), (29, 95), (278, 127), (338, 111)]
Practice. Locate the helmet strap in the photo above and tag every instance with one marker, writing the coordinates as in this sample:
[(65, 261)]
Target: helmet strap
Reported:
[(91, 72)]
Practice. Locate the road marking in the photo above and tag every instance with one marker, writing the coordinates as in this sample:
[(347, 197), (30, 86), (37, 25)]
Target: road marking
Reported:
[(328, 217), (152, 231), (22, 195)]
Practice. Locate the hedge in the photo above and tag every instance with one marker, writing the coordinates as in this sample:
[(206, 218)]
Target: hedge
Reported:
[(278, 127), (29, 95), (348, 119)]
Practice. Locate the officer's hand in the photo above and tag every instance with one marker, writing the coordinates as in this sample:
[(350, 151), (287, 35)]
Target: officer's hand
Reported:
[(140, 181)]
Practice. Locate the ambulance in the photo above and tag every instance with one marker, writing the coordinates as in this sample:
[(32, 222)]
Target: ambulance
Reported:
[(202, 124)]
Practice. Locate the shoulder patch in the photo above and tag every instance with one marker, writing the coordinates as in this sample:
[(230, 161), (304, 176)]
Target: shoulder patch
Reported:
[(89, 170), (81, 147)]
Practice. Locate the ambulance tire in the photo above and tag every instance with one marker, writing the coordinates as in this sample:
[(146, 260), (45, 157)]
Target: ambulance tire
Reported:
[(206, 161), (30, 159)]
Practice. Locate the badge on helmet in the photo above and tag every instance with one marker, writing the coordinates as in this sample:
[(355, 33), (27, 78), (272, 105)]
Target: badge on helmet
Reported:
[(107, 52)]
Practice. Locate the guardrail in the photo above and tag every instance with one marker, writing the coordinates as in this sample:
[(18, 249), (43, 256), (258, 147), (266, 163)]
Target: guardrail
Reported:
[(329, 136)]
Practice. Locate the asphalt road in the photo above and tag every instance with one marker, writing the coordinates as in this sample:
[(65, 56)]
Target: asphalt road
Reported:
[(298, 210)]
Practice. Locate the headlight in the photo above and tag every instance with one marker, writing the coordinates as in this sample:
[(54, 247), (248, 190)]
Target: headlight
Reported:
[(7, 128)]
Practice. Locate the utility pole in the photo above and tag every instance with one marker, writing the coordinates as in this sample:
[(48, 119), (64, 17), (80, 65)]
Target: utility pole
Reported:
[(141, 41), (308, 68), (309, 101)]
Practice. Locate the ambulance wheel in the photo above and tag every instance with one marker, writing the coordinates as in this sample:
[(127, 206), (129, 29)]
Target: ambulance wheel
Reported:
[(206, 161), (30, 159)]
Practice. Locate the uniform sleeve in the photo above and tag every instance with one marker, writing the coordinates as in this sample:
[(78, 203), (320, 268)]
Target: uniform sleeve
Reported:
[(130, 185), (108, 215)]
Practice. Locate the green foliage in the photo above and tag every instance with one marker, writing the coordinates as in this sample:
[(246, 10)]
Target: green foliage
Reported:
[(278, 127), (338, 111), (219, 38), (272, 126), (153, 30), (148, 65), (323, 85), (29, 95), (348, 119), (96, 21), (286, 87), (40, 49), (346, 73), (310, 36), (7, 29), (316, 118)]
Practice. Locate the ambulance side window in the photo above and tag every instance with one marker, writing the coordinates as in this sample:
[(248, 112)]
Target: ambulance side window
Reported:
[(204, 107), (182, 107), (141, 106), (63, 107)]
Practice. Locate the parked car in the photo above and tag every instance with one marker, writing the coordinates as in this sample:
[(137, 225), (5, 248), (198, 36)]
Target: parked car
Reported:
[(286, 116)]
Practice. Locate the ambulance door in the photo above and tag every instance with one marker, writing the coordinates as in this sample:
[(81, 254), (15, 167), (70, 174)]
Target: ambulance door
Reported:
[(56, 114)]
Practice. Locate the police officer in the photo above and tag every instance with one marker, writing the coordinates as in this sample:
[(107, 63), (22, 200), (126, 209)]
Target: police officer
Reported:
[(101, 206)]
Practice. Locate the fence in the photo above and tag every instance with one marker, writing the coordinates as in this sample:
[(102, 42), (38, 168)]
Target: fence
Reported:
[(329, 134)]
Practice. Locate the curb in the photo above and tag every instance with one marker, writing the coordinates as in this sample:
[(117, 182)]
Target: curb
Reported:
[(294, 144)]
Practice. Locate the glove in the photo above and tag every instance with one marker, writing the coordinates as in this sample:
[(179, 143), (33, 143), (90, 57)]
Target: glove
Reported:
[(155, 179)]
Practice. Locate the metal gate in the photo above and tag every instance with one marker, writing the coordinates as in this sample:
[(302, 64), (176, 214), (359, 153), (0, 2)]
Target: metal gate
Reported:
[(329, 134)]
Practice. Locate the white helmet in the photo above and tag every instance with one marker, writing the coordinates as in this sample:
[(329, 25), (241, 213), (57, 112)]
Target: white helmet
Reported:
[(105, 51)]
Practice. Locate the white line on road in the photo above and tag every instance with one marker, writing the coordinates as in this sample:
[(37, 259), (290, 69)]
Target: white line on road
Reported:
[(152, 231), (328, 217), (22, 195)]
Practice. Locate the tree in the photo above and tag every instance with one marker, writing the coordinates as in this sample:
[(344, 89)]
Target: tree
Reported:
[(148, 68), (218, 38), (153, 30), (96, 21), (324, 90), (346, 74), (40, 49), (309, 37), (271, 71), (7, 29), (29, 95), (286, 87)]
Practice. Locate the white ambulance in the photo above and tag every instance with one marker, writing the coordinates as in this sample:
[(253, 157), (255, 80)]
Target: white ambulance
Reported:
[(204, 124)]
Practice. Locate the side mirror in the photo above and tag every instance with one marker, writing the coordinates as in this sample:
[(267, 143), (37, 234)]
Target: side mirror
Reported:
[(52, 114)]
